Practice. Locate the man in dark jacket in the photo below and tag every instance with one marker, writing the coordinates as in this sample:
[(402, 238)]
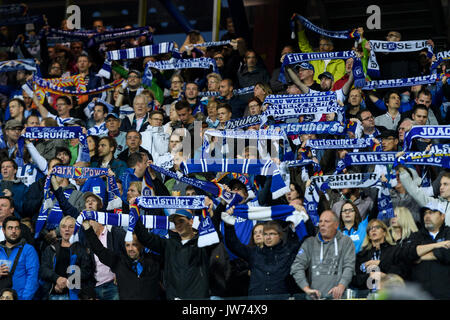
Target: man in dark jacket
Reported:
[(269, 265), (186, 266), (57, 258), (137, 272), (427, 253)]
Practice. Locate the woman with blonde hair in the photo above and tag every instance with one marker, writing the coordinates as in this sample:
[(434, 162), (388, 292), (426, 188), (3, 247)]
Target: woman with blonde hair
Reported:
[(402, 225), (261, 91), (376, 257)]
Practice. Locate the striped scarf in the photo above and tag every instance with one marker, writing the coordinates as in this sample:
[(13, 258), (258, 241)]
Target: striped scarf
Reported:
[(426, 132), (133, 53), (373, 69), (331, 127), (250, 166), (18, 64), (175, 64), (402, 82), (346, 34), (277, 212)]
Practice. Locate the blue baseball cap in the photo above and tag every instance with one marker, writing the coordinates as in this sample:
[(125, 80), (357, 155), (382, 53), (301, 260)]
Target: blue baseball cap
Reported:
[(180, 212), (326, 74), (112, 114), (304, 65)]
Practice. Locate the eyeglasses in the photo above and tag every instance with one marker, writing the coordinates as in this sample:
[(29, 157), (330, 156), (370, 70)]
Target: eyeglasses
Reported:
[(176, 81), (348, 210), (376, 227), (271, 234)]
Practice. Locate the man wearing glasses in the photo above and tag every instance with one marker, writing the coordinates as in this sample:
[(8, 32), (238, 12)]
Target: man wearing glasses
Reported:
[(154, 139), (368, 124), (63, 105)]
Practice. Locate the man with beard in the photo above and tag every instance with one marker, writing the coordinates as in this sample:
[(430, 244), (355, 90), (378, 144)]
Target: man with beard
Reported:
[(19, 260), (427, 252)]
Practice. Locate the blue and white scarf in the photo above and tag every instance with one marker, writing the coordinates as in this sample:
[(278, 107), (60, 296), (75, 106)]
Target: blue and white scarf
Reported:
[(426, 132), (287, 101), (175, 64), (249, 166), (311, 202), (22, 20), (19, 64), (346, 34), (402, 82), (277, 212), (296, 58), (212, 44), (71, 172), (243, 122), (207, 232), (440, 57), (215, 189), (373, 69), (303, 109), (236, 92), (384, 202), (330, 127), (12, 9), (359, 143), (351, 180), (92, 104), (133, 53), (98, 130), (60, 133)]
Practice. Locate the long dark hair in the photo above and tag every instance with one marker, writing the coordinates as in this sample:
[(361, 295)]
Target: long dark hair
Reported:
[(357, 220)]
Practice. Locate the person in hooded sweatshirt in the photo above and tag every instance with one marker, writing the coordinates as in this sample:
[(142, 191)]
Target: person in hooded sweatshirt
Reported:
[(329, 258)]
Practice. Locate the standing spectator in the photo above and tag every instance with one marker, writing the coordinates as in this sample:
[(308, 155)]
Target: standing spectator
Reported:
[(134, 142), (12, 187), (391, 118), (377, 256), (251, 73), (112, 121), (227, 96), (329, 258), (138, 119), (98, 126), (154, 139), (137, 273), (107, 146), (56, 260), (25, 277), (427, 252)]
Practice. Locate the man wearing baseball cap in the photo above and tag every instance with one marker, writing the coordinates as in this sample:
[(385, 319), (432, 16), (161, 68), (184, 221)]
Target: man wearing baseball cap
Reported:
[(305, 72), (186, 266), (427, 252), (112, 122)]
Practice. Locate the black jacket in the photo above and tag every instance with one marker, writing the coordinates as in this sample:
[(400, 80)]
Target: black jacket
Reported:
[(432, 275), (186, 267), (48, 261), (130, 285), (269, 266), (387, 265)]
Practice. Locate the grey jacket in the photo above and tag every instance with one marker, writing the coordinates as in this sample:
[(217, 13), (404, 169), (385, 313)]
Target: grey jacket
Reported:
[(323, 265)]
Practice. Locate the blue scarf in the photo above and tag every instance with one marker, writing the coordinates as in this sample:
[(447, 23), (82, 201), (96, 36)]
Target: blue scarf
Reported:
[(427, 132), (304, 108), (12, 9), (359, 143), (403, 82), (292, 100), (373, 69), (22, 20), (331, 127), (133, 53), (296, 58), (440, 57), (236, 92), (19, 64), (346, 34), (63, 172), (248, 166), (54, 133), (215, 189), (173, 64), (277, 212), (212, 44), (385, 207), (243, 122), (341, 181)]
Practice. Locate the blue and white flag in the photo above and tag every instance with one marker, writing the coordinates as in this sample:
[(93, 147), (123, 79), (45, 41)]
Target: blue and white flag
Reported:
[(293, 100), (303, 109), (351, 180)]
